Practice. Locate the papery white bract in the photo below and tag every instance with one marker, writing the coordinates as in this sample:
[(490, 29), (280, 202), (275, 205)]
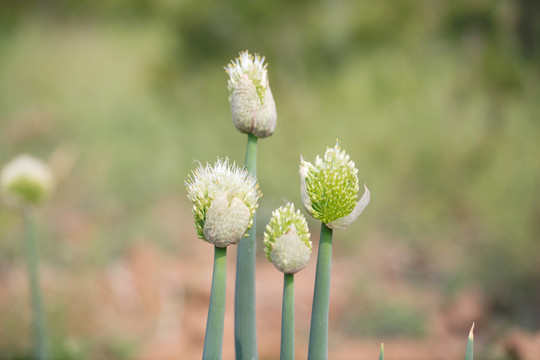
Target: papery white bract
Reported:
[(252, 105)]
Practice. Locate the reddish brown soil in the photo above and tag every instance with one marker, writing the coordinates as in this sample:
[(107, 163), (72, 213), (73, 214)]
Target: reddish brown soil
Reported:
[(158, 301)]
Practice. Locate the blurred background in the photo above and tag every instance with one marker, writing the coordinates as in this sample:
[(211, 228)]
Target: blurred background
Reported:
[(437, 102)]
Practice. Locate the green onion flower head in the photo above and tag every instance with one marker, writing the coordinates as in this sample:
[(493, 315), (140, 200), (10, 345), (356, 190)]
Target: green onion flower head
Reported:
[(252, 104), (224, 202), (26, 181), (286, 240), (329, 189)]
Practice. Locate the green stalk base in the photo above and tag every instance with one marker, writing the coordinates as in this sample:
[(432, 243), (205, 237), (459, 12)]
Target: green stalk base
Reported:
[(245, 330), (287, 319), (318, 333), (32, 257), (213, 339)]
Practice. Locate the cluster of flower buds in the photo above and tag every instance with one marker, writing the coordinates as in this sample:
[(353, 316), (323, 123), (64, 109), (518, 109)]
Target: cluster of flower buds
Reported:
[(252, 104), (329, 189), (286, 240), (225, 197), (224, 200), (26, 181)]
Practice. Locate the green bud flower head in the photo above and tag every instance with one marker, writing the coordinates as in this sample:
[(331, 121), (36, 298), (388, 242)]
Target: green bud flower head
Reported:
[(286, 240), (26, 181), (252, 104), (224, 202), (329, 189)]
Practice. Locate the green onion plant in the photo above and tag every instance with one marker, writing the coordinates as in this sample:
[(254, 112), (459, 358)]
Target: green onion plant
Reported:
[(329, 192), (26, 182), (253, 112), (224, 201), (287, 245)]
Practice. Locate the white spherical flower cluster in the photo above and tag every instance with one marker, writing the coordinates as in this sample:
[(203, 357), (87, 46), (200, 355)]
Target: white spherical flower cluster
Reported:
[(224, 202), (252, 104), (26, 181), (286, 240), (329, 189)]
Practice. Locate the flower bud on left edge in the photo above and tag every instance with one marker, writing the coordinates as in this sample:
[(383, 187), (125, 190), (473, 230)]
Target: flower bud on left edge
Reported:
[(224, 201), (26, 181)]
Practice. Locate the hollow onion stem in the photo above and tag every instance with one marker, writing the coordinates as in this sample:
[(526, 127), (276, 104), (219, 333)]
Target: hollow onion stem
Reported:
[(245, 331), (213, 339), (287, 319), (32, 258), (318, 334)]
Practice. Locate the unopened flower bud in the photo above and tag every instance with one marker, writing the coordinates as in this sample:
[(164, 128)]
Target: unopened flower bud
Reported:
[(26, 181), (286, 240), (226, 221), (329, 189), (224, 202), (252, 104)]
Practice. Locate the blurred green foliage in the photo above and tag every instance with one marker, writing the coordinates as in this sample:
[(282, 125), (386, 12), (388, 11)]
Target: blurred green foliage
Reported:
[(437, 102), (388, 318)]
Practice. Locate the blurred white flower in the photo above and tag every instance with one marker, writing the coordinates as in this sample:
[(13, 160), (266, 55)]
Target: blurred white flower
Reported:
[(26, 181), (252, 104), (224, 202)]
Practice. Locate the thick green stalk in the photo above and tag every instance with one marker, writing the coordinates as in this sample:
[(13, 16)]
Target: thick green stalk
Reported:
[(32, 258), (213, 339), (318, 333), (470, 343), (245, 331), (287, 319), (381, 354)]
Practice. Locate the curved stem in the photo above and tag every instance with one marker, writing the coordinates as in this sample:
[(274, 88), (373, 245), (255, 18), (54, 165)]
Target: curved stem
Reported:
[(32, 257), (213, 339), (287, 319), (318, 333), (245, 331)]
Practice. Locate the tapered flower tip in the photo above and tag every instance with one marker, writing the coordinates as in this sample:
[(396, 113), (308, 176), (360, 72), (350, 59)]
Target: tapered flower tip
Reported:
[(26, 181), (252, 105), (469, 351), (224, 201), (329, 189), (286, 240)]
